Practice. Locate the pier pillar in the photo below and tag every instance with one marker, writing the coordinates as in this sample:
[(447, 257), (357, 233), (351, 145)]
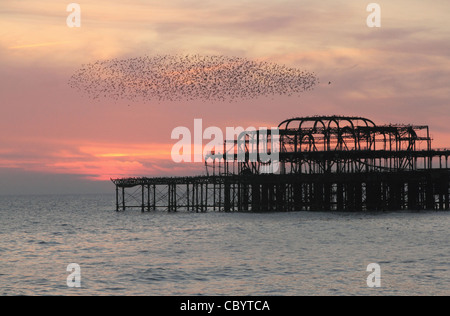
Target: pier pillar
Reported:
[(154, 197), (429, 194), (358, 195), (443, 193), (413, 195), (148, 198), (245, 197), (226, 196), (280, 198), (327, 196), (298, 200), (372, 195), (349, 197), (143, 198), (256, 197), (117, 198), (340, 196), (446, 193), (317, 196), (265, 200), (123, 199), (187, 197)]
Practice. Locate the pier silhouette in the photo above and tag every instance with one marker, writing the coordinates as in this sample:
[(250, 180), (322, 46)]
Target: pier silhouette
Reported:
[(326, 163)]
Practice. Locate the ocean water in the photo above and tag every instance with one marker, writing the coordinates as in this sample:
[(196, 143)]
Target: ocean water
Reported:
[(274, 254)]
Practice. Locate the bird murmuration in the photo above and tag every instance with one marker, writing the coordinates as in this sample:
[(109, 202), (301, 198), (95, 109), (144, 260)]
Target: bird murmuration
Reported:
[(189, 77)]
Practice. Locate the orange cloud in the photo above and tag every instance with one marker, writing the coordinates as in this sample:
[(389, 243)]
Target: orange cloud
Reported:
[(125, 150), (38, 45), (96, 161)]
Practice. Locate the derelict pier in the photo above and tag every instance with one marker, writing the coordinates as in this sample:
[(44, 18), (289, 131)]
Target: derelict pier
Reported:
[(326, 163)]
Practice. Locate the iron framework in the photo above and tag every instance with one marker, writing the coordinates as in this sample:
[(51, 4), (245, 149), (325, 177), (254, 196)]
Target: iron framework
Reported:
[(336, 163)]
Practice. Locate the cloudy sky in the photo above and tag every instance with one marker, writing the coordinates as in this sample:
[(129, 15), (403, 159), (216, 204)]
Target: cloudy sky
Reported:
[(55, 140)]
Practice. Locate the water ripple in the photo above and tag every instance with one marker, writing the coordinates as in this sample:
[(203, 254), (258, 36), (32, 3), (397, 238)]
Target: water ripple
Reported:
[(302, 253)]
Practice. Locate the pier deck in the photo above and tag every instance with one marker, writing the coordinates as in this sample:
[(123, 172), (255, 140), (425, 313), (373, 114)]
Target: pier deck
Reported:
[(373, 191)]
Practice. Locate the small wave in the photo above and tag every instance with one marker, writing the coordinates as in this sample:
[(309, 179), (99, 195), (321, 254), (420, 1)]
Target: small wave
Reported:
[(51, 243), (115, 289)]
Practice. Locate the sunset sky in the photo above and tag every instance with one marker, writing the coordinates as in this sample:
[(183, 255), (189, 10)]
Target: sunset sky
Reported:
[(55, 140)]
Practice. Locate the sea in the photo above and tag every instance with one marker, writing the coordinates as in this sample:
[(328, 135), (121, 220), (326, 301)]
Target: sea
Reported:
[(216, 254)]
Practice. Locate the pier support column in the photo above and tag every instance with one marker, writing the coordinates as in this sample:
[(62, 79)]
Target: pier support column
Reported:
[(429, 192), (226, 196), (245, 197), (187, 197), (169, 198), (327, 197), (154, 197), (265, 199), (148, 198), (298, 198), (350, 197), (256, 197), (413, 195), (123, 199), (358, 196), (280, 198), (443, 193), (202, 199), (117, 198), (142, 198), (317, 196), (371, 195), (340, 196), (446, 193)]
